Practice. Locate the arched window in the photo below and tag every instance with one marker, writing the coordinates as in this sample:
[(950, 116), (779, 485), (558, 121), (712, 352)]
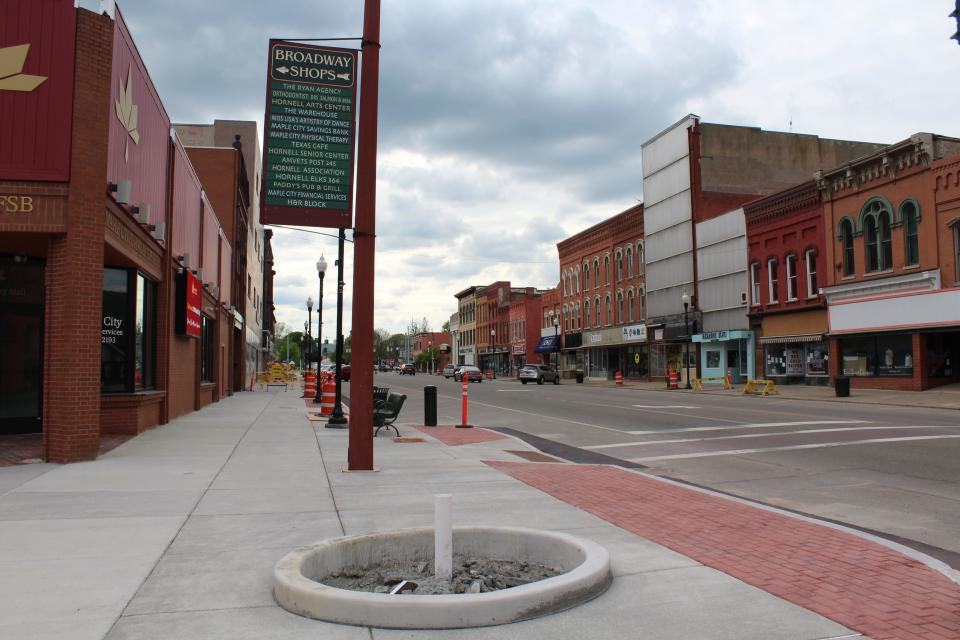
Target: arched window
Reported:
[(563, 279), (876, 232), (586, 274), (609, 310), (872, 242), (619, 266), (629, 262), (566, 318), (911, 231), (606, 269), (577, 281), (586, 314), (596, 273), (578, 320), (642, 302), (846, 244), (596, 305), (640, 257), (630, 304), (620, 307)]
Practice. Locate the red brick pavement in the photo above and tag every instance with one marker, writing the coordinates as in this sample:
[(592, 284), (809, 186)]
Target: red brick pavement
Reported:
[(860, 584), (453, 437), (16, 449)]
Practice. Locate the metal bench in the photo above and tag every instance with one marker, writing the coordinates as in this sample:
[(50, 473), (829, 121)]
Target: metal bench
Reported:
[(387, 412)]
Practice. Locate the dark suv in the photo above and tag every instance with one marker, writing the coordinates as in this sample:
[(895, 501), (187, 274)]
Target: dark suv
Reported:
[(538, 373), (408, 370)]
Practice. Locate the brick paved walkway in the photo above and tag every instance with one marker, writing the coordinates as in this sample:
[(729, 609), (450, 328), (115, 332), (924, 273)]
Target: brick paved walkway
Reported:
[(860, 584), (451, 436), (17, 449)]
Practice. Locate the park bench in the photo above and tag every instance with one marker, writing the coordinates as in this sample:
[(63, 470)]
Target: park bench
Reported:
[(385, 414)]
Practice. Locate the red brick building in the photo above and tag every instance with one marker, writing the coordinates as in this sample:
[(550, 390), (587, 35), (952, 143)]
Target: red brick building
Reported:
[(786, 268), (107, 327), (602, 303), (435, 342), (892, 287), (523, 325)]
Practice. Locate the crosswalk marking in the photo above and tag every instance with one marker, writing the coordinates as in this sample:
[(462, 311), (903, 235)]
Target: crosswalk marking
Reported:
[(757, 425), (823, 445), (640, 443)]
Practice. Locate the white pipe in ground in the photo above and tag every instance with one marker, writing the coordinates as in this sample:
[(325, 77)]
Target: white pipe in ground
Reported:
[(442, 536)]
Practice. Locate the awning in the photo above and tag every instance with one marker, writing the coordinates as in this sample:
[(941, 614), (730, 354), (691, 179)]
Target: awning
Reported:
[(802, 337), (548, 344)]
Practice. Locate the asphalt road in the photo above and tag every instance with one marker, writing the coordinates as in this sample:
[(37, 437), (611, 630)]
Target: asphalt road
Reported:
[(889, 469)]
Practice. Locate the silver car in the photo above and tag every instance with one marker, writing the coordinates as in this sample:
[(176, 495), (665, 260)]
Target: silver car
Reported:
[(538, 373)]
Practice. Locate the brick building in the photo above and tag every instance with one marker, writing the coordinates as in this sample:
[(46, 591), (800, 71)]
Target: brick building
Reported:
[(786, 270), (523, 327), (115, 273), (433, 342), (602, 298), (892, 286)]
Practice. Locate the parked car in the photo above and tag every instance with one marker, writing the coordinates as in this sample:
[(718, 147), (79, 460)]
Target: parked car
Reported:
[(345, 373), (538, 373), (472, 374), (449, 370), (408, 370)]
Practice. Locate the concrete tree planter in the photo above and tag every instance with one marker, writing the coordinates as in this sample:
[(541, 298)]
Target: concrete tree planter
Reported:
[(299, 588)]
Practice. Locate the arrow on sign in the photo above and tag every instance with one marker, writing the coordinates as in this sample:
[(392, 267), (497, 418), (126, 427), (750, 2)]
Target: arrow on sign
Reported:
[(343, 76), (283, 69)]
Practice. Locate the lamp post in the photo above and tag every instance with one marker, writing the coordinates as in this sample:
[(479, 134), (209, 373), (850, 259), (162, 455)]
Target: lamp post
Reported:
[(309, 331), (321, 271), (337, 420), (493, 342), (686, 321)]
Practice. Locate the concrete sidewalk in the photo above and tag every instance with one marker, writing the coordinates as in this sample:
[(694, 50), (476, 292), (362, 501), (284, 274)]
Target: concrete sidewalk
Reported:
[(947, 397), (175, 533)]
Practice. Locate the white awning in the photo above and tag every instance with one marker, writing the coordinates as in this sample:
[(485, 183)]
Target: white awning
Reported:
[(801, 337)]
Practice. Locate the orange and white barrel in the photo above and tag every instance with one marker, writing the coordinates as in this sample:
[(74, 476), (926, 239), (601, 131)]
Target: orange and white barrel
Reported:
[(618, 377), (328, 395)]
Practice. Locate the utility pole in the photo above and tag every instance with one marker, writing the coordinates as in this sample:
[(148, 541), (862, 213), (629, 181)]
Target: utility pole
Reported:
[(360, 448)]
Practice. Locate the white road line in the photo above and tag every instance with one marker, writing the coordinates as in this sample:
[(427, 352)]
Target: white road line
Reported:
[(737, 452), (774, 434), (672, 414), (749, 426), (663, 406), (511, 390), (540, 415)]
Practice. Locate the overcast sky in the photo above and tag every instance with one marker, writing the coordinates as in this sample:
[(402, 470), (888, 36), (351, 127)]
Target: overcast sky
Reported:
[(508, 125)]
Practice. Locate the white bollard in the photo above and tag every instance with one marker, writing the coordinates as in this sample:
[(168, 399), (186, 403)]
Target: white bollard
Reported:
[(442, 536)]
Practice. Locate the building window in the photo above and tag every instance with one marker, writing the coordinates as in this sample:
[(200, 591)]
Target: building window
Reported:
[(911, 227), (640, 263), (791, 263), (630, 305), (606, 269), (876, 231), (206, 350), (846, 242), (772, 283), (609, 311), (619, 266), (755, 283), (889, 355), (620, 307), (127, 331), (596, 305), (586, 275), (810, 258), (596, 273), (642, 301), (577, 323), (577, 274), (629, 262), (956, 250), (586, 314)]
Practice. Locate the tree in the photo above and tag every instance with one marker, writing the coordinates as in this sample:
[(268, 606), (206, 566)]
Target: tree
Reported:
[(445, 327), (416, 328), (381, 339)]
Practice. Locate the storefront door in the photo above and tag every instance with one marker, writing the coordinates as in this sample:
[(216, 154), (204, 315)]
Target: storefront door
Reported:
[(21, 345)]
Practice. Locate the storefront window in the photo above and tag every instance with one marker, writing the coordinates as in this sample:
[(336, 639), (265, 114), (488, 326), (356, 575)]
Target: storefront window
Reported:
[(942, 352), (127, 331), (713, 359), (206, 350), (817, 359), (638, 361), (889, 355), (115, 331)]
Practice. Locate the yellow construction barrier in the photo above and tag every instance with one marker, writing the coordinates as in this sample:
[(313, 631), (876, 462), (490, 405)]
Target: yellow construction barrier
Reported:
[(763, 387), (277, 375), (698, 382)]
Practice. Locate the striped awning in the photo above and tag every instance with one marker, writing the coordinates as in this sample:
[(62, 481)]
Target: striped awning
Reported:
[(800, 337)]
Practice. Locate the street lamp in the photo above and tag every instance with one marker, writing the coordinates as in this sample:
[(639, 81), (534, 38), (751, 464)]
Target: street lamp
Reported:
[(309, 330), (686, 321), (493, 342), (321, 270), (337, 419)]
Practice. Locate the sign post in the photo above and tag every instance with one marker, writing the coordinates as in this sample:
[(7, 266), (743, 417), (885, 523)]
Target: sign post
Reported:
[(308, 135)]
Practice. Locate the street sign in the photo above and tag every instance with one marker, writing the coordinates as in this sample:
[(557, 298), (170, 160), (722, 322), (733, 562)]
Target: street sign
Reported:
[(308, 135)]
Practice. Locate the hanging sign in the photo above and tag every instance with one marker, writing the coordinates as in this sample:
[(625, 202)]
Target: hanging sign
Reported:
[(308, 135), (189, 321)]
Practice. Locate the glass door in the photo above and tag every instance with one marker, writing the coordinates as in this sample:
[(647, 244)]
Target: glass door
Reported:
[(21, 345)]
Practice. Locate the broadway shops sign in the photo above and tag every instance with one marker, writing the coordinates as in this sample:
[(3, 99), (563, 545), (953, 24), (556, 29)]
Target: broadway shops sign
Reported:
[(309, 136)]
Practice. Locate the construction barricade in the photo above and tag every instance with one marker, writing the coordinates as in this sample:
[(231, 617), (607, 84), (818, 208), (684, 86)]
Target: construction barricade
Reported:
[(763, 387)]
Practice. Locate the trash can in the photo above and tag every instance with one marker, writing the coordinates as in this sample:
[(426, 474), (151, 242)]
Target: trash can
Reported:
[(430, 406), (841, 386), (579, 375)]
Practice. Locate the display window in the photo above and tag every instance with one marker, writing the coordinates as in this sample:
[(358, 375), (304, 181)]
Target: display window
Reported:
[(887, 355), (817, 359), (206, 350), (942, 352), (638, 361), (127, 331)]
